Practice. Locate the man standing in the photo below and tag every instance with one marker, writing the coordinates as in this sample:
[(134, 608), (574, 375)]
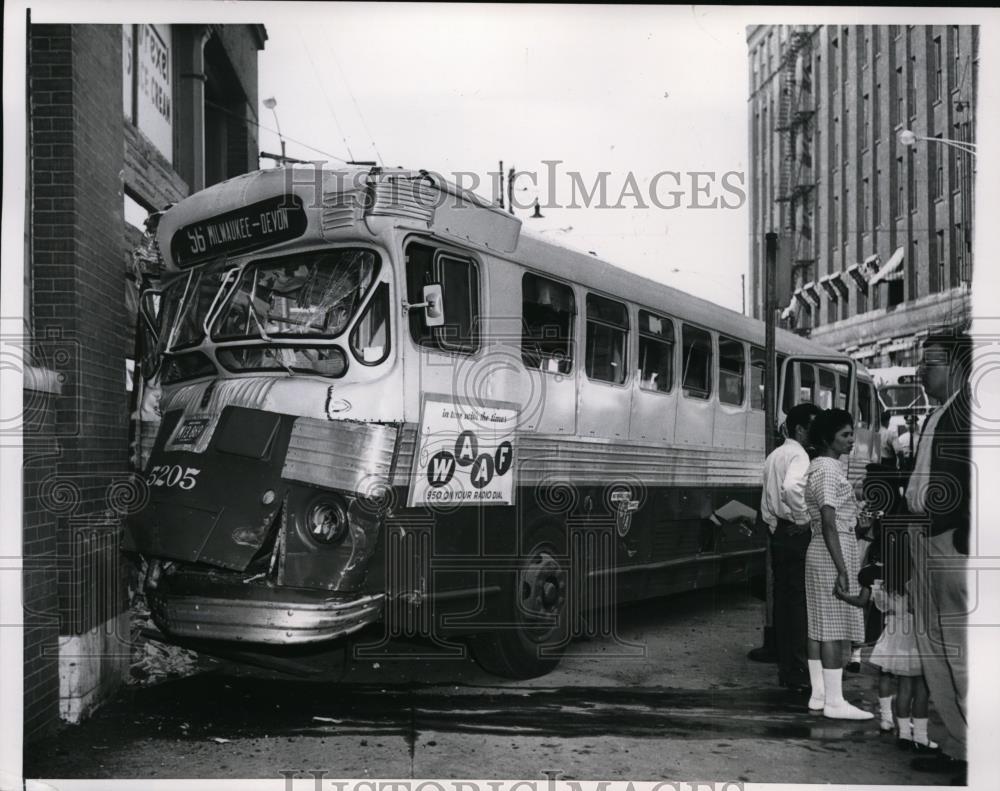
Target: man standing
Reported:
[(940, 491), (783, 507)]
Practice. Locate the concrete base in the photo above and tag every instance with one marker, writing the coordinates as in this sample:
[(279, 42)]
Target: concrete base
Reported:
[(91, 667)]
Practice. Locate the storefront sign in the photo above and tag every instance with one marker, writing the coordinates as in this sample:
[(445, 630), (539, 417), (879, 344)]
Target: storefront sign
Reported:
[(154, 94)]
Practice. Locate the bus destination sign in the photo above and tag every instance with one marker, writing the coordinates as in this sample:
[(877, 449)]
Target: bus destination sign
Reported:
[(251, 227)]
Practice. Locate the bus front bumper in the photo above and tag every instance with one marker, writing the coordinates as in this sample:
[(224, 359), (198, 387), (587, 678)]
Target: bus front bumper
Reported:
[(270, 622)]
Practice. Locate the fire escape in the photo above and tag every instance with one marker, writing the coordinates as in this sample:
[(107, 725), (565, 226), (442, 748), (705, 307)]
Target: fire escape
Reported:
[(796, 108)]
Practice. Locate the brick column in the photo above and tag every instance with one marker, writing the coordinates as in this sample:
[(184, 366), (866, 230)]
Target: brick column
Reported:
[(76, 214)]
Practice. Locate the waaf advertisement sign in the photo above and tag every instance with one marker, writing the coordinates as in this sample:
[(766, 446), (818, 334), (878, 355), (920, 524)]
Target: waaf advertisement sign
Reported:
[(464, 454)]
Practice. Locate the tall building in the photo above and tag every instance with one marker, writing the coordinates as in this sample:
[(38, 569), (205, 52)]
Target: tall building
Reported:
[(121, 121), (862, 161)]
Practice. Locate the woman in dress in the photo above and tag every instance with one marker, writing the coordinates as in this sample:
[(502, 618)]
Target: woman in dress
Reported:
[(832, 565)]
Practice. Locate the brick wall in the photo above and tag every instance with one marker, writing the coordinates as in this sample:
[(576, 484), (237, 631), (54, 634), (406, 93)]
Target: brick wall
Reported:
[(76, 218), (41, 605)]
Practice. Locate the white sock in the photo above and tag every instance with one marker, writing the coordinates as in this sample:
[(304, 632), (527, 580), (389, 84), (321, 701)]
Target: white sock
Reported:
[(885, 709), (920, 730), (833, 687), (856, 655), (816, 678), (903, 723)]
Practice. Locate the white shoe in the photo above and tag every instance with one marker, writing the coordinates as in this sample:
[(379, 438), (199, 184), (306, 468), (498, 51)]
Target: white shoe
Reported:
[(886, 725), (845, 711), (817, 704)]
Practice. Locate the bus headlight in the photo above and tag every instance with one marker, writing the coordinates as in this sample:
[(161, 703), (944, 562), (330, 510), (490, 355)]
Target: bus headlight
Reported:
[(326, 519)]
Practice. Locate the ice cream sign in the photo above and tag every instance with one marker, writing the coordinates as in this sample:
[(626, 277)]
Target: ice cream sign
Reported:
[(464, 454)]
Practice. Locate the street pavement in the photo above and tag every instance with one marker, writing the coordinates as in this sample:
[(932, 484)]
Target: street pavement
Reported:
[(672, 697)]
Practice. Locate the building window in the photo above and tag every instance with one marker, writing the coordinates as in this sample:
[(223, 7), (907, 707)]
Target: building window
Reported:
[(897, 89), (866, 55), (835, 61), (911, 178), (732, 371), (865, 192), (876, 202), (847, 208), (835, 221), (227, 138), (459, 279), (877, 111), (876, 40), (954, 46), (549, 313), (696, 362), (938, 63), (607, 333), (936, 166), (959, 247), (939, 255), (900, 188), (656, 352)]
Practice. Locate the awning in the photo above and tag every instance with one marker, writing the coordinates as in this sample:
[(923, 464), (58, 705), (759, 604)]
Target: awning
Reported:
[(831, 290), (789, 310), (894, 263)]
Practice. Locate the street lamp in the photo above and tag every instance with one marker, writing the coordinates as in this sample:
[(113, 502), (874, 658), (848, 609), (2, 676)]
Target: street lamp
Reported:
[(908, 138), (270, 103)]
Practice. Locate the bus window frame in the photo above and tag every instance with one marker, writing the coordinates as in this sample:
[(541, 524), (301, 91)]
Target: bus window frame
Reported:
[(674, 366), (574, 345), (626, 346), (442, 249), (744, 379), (707, 398)]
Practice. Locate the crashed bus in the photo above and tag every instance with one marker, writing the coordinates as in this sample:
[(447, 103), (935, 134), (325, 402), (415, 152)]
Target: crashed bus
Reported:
[(384, 404)]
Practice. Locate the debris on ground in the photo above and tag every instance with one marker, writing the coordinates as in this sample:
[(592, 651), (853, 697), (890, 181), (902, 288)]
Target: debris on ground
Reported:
[(153, 661)]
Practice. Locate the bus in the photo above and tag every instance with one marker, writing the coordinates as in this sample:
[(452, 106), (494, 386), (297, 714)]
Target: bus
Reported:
[(385, 408), (901, 393)]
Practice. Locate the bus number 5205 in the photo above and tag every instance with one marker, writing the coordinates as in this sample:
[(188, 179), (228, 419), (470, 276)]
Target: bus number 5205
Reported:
[(173, 475)]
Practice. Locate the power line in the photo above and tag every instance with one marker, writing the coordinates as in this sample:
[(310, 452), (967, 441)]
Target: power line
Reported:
[(227, 111), (356, 106), (326, 95)]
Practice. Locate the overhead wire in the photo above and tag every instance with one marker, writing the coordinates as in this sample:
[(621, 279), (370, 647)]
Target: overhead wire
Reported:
[(259, 125), (326, 94), (357, 107)]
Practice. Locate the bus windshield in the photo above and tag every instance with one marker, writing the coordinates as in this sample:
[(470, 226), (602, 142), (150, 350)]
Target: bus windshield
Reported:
[(311, 295), (903, 396)]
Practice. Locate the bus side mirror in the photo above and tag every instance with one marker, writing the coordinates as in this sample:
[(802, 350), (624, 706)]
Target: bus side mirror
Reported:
[(433, 305)]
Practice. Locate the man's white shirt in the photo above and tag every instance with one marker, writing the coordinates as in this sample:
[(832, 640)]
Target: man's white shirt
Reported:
[(784, 485)]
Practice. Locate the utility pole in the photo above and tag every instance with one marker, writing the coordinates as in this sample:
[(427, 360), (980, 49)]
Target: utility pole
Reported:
[(770, 367), (743, 294), (500, 182)]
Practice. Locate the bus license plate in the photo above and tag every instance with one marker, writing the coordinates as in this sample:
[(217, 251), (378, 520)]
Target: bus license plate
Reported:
[(190, 431)]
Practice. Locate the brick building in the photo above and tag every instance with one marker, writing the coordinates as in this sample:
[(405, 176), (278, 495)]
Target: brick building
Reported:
[(122, 120), (875, 235)]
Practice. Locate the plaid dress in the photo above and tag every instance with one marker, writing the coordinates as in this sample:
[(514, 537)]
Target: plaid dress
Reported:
[(829, 617)]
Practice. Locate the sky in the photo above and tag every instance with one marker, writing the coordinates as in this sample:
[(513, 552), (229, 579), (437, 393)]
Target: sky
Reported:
[(589, 89)]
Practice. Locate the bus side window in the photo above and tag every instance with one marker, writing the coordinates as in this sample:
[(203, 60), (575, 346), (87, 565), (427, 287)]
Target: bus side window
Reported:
[(696, 362), (843, 385), (459, 279), (827, 386), (549, 311), (732, 371), (788, 396), (656, 352), (807, 380), (607, 333), (865, 406), (757, 368)]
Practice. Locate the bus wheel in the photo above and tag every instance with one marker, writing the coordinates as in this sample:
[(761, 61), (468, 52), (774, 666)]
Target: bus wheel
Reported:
[(534, 611)]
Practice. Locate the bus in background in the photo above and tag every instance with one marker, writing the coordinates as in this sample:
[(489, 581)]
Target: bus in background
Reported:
[(901, 395)]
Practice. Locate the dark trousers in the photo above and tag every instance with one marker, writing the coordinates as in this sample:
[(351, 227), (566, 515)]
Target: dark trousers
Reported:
[(788, 561)]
